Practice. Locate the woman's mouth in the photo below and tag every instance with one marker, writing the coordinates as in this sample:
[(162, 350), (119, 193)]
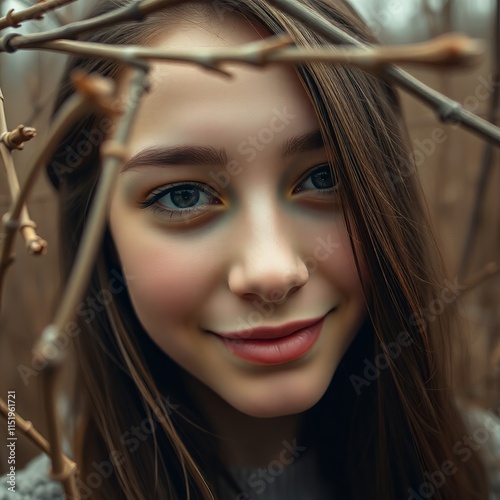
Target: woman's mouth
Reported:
[(274, 345)]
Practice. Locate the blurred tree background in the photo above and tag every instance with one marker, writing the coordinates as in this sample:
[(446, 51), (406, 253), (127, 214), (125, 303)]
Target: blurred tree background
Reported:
[(449, 161)]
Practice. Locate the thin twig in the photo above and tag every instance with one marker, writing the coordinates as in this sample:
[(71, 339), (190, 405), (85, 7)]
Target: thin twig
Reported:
[(8, 141), (16, 138), (74, 108), (13, 19), (62, 471), (447, 109), (26, 428), (115, 155), (135, 11), (487, 161), (490, 270), (34, 243), (12, 219), (444, 51)]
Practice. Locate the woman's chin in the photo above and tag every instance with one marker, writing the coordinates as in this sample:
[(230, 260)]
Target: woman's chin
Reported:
[(277, 405)]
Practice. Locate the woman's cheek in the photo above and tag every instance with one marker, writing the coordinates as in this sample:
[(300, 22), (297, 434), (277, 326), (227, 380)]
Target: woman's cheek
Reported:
[(167, 280)]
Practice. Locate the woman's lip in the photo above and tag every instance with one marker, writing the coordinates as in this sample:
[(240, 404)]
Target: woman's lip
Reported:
[(277, 350), (270, 332)]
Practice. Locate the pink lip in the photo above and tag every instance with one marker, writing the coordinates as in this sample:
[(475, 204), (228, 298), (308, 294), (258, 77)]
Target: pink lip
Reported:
[(270, 332), (278, 345)]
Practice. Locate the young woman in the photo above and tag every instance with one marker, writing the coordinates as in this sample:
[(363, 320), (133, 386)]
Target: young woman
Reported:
[(253, 325)]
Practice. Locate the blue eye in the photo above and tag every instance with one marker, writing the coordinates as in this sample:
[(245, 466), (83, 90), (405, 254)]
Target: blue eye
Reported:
[(181, 199), (319, 178)]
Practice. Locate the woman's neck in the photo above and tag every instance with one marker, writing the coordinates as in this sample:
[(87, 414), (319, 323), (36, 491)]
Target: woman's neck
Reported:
[(246, 441)]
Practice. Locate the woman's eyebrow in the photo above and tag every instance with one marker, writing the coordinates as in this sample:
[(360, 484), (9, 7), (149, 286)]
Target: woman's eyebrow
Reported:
[(310, 141), (206, 155), (177, 155)]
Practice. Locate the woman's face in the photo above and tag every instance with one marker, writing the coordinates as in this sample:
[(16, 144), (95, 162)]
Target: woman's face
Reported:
[(226, 221)]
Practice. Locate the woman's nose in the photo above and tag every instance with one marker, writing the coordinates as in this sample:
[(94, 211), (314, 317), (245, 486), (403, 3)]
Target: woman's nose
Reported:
[(266, 264)]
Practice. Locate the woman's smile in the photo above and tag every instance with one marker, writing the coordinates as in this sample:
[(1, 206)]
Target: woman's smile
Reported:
[(274, 345), (275, 351)]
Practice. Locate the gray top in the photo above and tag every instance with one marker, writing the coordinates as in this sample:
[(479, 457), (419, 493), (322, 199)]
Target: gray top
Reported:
[(32, 483), (296, 480)]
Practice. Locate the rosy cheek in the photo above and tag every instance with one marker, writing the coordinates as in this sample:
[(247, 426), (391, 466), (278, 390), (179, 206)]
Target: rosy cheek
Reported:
[(168, 279)]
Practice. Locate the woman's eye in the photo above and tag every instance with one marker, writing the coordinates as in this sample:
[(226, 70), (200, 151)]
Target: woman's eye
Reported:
[(181, 199), (318, 179)]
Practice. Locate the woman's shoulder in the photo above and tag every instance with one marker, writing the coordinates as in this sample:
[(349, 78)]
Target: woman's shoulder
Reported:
[(484, 434), (31, 483)]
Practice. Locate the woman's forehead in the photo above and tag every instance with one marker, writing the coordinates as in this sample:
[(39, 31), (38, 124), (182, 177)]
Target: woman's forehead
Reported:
[(198, 25), (190, 103), (185, 103)]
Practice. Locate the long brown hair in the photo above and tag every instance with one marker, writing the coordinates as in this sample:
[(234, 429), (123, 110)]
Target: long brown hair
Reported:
[(381, 436)]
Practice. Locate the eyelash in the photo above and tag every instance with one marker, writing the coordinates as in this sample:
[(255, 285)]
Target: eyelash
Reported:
[(202, 188), (317, 169), (179, 187)]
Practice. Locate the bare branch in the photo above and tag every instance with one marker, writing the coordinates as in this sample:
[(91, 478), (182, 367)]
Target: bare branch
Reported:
[(8, 141), (488, 154), (12, 19), (25, 427), (114, 153), (76, 106), (136, 11), (16, 138), (444, 51), (61, 470), (34, 243), (490, 270), (447, 109)]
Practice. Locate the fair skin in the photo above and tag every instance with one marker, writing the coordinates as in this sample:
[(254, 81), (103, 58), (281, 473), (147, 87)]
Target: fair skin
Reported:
[(264, 243)]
